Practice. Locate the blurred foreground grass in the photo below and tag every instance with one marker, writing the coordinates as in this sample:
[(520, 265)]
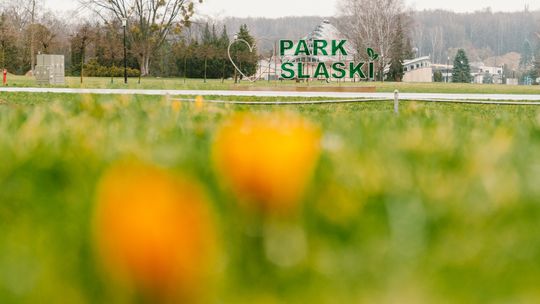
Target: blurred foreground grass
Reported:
[(440, 204)]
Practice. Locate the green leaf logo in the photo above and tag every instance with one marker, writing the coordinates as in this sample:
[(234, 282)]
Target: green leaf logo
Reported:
[(372, 55)]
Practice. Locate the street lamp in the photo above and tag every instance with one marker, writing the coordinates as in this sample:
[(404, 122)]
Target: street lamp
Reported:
[(124, 25)]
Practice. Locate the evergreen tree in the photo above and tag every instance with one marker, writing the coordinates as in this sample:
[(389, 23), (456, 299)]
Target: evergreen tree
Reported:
[(206, 35), (79, 43), (182, 57), (214, 34), (224, 38), (526, 55), (246, 60), (462, 70), (205, 58), (206, 49), (214, 60), (535, 71), (195, 62), (409, 52), (397, 54), (438, 76), (225, 65)]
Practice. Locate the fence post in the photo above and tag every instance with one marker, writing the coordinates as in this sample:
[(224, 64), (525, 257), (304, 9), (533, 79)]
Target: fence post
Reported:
[(396, 101)]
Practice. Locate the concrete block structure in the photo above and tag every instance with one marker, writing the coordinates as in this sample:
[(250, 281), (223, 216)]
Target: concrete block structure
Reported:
[(50, 69)]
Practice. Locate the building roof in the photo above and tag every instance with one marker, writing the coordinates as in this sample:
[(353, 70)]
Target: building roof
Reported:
[(324, 31), (417, 60)]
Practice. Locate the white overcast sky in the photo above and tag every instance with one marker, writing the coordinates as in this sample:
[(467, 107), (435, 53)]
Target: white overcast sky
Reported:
[(280, 8)]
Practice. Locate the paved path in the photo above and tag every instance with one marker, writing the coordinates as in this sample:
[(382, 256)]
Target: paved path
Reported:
[(407, 96)]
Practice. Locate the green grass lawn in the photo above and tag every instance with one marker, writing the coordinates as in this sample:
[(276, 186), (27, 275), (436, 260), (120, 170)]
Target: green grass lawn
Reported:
[(199, 84), (439, 204)]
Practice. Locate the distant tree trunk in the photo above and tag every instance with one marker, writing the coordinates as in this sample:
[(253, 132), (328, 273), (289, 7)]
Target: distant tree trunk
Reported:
[(3, 56), (236, 72), (185, 68), (32, 51), (222, 70), (205, 67), (144, 64), (82, 60)]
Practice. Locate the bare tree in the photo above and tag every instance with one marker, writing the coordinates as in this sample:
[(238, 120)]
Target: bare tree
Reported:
[(151, 21), (24, 14), (79, 44), (418, 39), (371, 23), (7, 38), (437, 43), (18, 15)]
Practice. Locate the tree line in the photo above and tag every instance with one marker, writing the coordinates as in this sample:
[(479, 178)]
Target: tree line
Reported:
[(167, 43), (482, 33), (192, 54), (208, 57)]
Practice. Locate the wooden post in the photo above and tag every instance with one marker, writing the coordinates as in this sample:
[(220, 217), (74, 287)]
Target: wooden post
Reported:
[(396, 102)]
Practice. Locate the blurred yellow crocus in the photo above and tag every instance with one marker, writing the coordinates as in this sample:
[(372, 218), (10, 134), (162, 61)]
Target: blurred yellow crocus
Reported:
[(153, 232), (176, 106), (199, 102), (267, 159)]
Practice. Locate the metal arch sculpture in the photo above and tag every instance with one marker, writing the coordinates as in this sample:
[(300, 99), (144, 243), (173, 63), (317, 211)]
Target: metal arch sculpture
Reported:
[(251, 48)]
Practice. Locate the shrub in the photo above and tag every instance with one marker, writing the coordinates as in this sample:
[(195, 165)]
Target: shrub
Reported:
[(94, 69)]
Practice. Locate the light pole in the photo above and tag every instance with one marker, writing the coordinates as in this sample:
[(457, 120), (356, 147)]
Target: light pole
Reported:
[(124, 25)]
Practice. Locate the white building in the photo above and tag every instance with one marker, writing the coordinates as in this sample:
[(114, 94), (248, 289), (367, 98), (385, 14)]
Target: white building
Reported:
[(418, 70), (422, 70), (480, 72)]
